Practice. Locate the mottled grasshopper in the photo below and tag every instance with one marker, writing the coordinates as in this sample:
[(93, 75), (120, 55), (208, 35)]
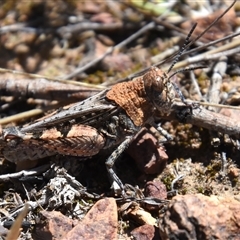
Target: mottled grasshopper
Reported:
[(110, 118), (107, 119)]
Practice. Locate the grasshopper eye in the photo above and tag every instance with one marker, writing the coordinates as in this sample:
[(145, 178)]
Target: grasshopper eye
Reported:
[(158, 83), (153, 82)]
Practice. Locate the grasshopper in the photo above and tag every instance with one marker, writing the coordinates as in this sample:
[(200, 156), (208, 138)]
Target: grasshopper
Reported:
[(110, 118)]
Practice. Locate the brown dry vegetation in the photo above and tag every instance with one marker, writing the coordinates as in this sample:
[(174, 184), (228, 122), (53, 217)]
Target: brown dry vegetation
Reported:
[(54, 38)]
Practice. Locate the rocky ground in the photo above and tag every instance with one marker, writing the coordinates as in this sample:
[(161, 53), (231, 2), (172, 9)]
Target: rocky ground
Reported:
[(186, 188)]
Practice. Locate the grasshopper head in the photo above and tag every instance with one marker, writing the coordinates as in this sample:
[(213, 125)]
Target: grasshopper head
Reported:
[(159, 89)]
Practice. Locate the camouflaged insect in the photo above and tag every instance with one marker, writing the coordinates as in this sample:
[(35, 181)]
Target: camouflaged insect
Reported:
[(110, 118)]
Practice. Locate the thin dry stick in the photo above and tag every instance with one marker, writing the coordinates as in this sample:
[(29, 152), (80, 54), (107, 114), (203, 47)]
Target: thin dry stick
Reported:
[(15, 229), (19, 27), (200, 57), (168, 25), (20, 116), (206, 56), (30, 75), (204, 118), (44, 89), (211, 43), (64, 30), (110, 50), (25, 173), (86, 26), (219, 70), (195, 84)]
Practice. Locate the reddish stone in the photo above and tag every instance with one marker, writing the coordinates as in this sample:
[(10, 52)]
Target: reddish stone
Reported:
[(56, 225), (149, 156), (200, 217), (145, 232), (100, 222), (156, 189)]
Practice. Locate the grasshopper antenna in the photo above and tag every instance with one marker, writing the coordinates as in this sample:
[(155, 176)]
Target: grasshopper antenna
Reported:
[(177, 89), (216, 20), (184, 47), (188, 43)]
